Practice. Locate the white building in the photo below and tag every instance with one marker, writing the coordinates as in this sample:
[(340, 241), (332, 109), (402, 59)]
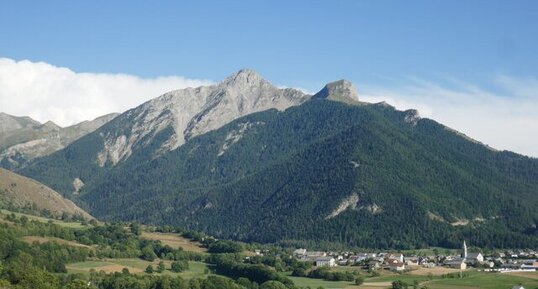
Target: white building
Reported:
[(395, 256), (395, 265), (324, 261)]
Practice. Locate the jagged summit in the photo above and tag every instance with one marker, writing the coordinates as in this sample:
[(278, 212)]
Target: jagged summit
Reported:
[(11, 123), (23, 139), (50, 125), (177, 116), (341, 90), (194, 111), (244, 77)]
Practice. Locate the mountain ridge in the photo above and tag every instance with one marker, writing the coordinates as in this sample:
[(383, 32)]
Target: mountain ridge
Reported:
[(188, 112), (23, 139), (303, 172)]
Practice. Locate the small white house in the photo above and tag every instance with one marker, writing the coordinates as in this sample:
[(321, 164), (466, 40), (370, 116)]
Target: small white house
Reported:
[(395, 256), (315, 254), (324, 261), (396, 266)]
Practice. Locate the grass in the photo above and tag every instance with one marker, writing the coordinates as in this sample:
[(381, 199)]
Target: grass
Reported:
[(196, 270), (175, 241), (137, 266), (75, 225), (314, 283), (389, 277), (486, 280), (41, 240), (474, 280)]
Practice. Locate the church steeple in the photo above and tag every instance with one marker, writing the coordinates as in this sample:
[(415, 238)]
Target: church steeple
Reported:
[(464, 250)]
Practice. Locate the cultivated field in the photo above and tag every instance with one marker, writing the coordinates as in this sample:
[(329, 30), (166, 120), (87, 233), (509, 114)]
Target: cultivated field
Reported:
[(485, 280), (435, 271), (314, 283), (473, 280), (136, 266), (530, 275), (175, 241)]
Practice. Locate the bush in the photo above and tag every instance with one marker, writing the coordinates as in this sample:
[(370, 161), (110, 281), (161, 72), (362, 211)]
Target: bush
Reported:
[(225, 247), (273, 285), (299, 272), (179, 266)]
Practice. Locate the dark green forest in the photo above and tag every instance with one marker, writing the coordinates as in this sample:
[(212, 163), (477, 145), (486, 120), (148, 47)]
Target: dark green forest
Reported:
[(287, 171)]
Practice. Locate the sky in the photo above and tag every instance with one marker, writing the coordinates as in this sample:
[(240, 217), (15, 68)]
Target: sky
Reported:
[(471, 65)]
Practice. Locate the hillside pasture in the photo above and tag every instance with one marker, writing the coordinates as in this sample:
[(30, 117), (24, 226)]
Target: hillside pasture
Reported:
[(175, 241), (484, 280), (75, 225), (41, 240), (136, 266)]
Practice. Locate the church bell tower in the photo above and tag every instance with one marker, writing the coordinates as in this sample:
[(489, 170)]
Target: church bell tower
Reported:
[(464, 250)]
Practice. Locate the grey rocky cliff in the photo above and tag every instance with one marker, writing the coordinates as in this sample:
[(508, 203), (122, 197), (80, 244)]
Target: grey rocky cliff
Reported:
[(23, 139), (341, 90), (194, 111), (10, 123)]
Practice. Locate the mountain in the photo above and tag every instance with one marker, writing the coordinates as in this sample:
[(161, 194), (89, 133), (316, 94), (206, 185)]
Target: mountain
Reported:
[(17, 191), (329, 168), (341, 90), (163, 124), (170, 120), (23, 139), (10, 123)]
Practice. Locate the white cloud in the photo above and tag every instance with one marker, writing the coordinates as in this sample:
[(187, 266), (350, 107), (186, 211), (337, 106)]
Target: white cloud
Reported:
[(505, 120), (47, 92)]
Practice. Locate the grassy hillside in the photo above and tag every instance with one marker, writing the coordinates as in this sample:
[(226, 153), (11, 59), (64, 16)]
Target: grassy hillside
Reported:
[(21, 192)]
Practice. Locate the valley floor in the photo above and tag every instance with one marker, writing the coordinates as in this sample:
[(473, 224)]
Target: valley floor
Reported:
[(431, 278), (474, 280)]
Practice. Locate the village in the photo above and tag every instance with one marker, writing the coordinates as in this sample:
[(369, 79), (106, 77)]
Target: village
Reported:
[(507, 261)]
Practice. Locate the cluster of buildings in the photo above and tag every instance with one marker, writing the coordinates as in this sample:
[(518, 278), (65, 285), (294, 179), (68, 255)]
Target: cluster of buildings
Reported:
[(510, 260), (392, 261)]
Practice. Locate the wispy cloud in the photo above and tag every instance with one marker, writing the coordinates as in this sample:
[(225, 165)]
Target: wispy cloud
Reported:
[(506, 119), (47, 92)]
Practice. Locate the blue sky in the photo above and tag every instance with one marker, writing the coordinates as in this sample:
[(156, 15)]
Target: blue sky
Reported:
[(301, 43), (471, 65)]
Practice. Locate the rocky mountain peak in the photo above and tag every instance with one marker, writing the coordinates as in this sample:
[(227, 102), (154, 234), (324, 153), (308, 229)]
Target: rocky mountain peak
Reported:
[(244, 78), (194, 111), (23, 139), (341, 90), (11, 123), (50, 125)]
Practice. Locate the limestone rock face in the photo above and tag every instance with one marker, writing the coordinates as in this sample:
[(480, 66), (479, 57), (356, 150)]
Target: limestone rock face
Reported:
[(341, 90), (193, 111)]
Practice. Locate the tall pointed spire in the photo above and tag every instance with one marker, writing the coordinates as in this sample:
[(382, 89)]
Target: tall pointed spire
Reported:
[(464, 250)]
